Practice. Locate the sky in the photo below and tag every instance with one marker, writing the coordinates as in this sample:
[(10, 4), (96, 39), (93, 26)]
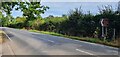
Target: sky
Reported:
[(66, 0), (80, 0), (59, 7)]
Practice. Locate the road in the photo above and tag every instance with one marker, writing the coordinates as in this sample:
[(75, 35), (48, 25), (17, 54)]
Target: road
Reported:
[(23, 42)]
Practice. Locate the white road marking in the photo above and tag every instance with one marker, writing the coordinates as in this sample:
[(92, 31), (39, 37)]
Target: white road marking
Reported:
[(12, 53), (115, 52), (48, 40), (9, 45), (51, 41), (84, 52), (8, 36), (34, 33)]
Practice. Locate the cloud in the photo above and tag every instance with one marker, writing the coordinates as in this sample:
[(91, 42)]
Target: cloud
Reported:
[(79, 0)]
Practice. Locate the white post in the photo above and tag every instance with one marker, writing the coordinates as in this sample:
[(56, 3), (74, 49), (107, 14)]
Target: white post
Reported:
[(106, 32), (114, 34), (102, 31)]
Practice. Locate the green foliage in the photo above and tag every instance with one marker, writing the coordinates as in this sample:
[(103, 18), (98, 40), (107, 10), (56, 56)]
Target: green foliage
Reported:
[(114, 20), (76, 23), (52, 24), (20, 20), (1, 18), (4, 21), (17, 22), (85, 25), (7, 7), (1, 15), (31, 10), (37, 23)]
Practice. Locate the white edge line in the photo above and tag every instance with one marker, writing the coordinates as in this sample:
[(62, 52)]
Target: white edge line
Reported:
[(10, 50), (8, 36), (8, 44), (84, 52)]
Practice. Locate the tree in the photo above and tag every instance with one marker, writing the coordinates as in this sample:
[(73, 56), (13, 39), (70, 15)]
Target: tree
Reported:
[(37, 23), (74, 21), (88, 25), (31, 10), (1, 16), (7, 7)]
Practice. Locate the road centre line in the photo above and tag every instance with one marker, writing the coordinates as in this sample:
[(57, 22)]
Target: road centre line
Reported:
[(84, 52), (51, 41), (69, 39), (48, 40)]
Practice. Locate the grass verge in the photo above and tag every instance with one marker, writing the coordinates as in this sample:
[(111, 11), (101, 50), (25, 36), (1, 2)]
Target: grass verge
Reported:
[(87, 39), (1, 36)]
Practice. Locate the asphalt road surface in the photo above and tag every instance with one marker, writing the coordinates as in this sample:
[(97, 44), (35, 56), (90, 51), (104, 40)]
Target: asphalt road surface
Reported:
[(22, 42)]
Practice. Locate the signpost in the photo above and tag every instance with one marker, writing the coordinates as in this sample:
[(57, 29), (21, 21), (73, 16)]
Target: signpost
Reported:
[(104, 23)]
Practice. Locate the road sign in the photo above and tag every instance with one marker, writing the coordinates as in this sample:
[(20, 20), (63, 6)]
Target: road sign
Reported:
[(104, 22)]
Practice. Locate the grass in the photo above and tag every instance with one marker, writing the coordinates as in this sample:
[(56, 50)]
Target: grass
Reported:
[(87, 39), (1, 39)]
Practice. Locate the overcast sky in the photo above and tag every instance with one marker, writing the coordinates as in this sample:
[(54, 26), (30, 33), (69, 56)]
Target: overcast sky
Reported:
[(80, 0)]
